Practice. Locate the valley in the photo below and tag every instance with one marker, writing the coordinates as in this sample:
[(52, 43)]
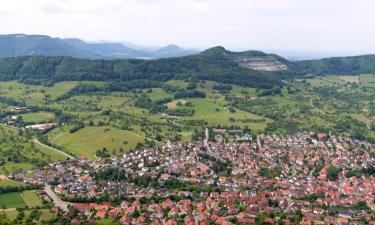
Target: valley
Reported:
[(69, 115)]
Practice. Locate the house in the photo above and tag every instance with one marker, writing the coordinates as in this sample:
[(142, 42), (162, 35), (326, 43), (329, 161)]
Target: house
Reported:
[(125, 219), (100, 214)]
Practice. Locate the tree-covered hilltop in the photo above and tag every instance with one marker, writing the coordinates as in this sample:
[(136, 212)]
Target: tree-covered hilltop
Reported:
[(332, 66), (209, 65), (250, 68)]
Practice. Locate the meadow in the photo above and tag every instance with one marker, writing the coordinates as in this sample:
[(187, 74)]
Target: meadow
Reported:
[(88, 140), (17, 151), (37, 117), (20, 199), (11, 200)]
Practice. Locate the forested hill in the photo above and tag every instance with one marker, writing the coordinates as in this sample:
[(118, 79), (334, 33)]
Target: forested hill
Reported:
[(250, 68), (334, 66), (213, 64)]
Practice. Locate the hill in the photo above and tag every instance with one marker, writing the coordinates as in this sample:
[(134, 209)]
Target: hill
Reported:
[(215, 64), (173, 51), (13, 45), (336, 65), (105, 50), (250, 68)]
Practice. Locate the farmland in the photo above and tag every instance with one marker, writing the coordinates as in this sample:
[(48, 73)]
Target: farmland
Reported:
[(120, 121), (88, 140), (30, 198), (12, 200), (20, 199)]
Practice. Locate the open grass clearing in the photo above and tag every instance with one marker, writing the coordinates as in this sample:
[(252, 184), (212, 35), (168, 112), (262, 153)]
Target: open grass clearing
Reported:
[(175, 103), (6, 182), (11, 200), (88, 140), (350, 79), (46, 214), (217, 114), (31, 198), (367, 80), (38, 117)]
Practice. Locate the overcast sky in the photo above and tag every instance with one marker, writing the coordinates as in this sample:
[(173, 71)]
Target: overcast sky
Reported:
[(313, 25)]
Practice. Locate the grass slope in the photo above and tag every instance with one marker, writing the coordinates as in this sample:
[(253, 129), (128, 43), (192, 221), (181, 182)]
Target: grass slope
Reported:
[(12, 200), (31, 199), (88, 140)]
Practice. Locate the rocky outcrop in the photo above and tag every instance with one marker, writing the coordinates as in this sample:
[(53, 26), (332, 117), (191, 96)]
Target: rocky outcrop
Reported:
[(261, 63)]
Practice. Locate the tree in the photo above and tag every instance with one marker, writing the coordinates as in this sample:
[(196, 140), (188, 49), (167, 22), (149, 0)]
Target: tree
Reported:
[(333, 173)]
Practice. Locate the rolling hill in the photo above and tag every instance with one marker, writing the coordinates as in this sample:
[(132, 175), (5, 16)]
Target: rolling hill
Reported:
[(249, 68), (13, 45), (215, 64)]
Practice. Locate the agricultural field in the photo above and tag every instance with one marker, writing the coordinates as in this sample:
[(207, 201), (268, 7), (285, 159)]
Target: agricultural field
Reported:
[(88, 140), (45, 214), (367, 80), (20, 199), (31, 199), (5, 182), (11, 200), (34, 94), (350, 79), (120, 121), (217, 114)]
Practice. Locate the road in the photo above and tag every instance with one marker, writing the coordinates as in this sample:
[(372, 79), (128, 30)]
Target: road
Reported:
[(205, 142), (54, 149), (56, 200), (40, 143)]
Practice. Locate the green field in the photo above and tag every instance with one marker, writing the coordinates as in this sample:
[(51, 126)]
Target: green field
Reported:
[(5, 182), (216, 114), (18, 152), (45, 214), (53, 155), (31, 199), (88, 140), (367, 80), (37, 117), (11, 200)]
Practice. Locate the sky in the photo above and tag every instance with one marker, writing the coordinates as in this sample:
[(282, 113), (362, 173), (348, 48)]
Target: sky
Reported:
[(295, 25)]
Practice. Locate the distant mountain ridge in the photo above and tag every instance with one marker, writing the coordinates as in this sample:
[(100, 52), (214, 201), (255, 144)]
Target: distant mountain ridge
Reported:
[(14, 45)]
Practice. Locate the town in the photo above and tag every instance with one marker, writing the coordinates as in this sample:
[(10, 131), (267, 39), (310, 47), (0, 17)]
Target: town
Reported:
[(305, 178)]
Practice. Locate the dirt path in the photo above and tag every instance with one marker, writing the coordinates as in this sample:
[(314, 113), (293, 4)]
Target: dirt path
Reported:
[(7, 210)]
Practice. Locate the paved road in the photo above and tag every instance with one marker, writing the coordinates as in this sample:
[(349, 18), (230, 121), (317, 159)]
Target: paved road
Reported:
[(205, 142), (54, 149), (56, 200)]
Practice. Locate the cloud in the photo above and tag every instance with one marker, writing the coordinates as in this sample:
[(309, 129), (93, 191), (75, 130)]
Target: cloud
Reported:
[(340, 25)]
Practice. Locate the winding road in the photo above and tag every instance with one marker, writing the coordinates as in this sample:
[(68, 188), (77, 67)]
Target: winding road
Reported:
[(44, 145), (54, 149)]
